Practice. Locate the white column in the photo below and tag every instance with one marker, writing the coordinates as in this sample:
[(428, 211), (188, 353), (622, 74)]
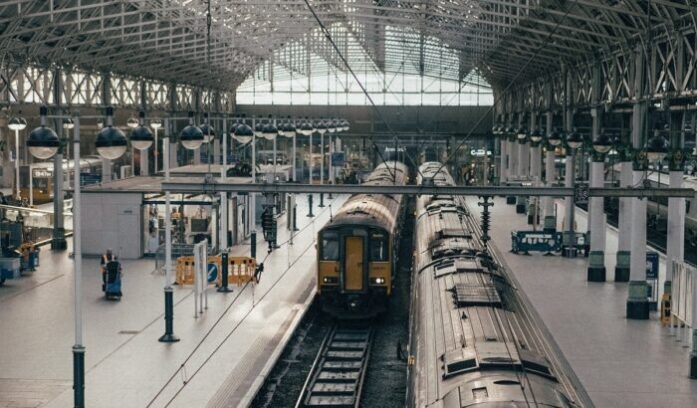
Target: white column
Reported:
[(223, 196), (310, 163), (550, 176), (503, 159), (253, 201), (321, 163), (596, 260), (197, 155), (637, 266), (624, 237), (569, 182), (168, 215), (144, 162), (106, 170), (513, 148), (77, 238), (675, 246), (523, 160), (295, 170), (17, 163)]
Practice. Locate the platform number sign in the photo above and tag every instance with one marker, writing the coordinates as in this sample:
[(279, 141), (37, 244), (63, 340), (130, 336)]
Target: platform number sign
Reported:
[(581, 193)]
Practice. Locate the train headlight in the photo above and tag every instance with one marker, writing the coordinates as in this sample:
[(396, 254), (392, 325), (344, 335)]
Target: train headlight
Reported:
[(329, 279), (378, 281)]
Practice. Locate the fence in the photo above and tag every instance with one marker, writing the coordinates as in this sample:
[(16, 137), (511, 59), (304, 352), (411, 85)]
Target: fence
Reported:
[(683, 306)]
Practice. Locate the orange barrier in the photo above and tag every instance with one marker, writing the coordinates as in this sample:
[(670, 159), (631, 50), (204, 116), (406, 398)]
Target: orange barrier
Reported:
[(241, 269)]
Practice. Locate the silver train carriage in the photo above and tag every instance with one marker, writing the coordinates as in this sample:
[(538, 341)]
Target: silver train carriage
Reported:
[(473, 340), (357, 249)]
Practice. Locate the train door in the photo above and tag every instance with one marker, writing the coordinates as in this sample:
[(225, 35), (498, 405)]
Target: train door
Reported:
[(354, 264)]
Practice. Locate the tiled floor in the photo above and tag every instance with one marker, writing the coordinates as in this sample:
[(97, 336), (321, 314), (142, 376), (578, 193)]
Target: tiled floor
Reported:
[(126, 365), (620, 362)]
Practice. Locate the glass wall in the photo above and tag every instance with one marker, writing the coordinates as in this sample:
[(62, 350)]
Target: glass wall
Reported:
[(404, 68)]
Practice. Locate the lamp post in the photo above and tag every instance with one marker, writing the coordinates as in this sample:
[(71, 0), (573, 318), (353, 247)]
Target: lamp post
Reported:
[(43, 143), (191, 138), (245, 134), (156, 124), (17, 124)]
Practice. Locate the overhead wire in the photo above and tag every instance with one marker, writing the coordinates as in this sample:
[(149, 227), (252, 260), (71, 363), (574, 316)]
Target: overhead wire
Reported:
[(329, 38), (510, 83)]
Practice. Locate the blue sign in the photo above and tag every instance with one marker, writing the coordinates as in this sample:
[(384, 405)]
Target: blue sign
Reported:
[(651, 265), (338, 159), (212, 272)]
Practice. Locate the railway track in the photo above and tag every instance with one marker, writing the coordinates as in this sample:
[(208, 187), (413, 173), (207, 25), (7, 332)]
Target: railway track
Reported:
[(337, 374)]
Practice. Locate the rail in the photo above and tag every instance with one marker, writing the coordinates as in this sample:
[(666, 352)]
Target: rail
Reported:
[(337, 374)]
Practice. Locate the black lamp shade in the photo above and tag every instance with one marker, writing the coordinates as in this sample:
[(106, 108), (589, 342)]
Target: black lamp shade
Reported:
[(43, 143), (603, 143), (574, 140), (657, 147), (111, 143), (141, 138), (191, 137), (208, 132)]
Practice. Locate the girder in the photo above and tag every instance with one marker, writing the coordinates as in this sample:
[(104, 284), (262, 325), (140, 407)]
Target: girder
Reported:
[(165, 40)]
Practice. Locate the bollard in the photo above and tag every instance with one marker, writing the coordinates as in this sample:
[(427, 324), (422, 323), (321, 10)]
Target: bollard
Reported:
[(254, 244), (309, 205), (321, 200), (169, 336), (224, 271), (295, 218)]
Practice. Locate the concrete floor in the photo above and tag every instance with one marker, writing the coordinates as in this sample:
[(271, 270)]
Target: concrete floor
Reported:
[(126, 365), (620, 362)]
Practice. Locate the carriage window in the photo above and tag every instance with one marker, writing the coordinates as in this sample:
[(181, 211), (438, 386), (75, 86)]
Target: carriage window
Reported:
[(687, 206), (378, 247), (330, 247)]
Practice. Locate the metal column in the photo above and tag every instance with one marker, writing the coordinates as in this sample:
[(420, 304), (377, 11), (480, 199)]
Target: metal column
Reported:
[(624, 236)]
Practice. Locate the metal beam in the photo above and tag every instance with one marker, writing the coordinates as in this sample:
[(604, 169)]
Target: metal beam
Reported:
[(212, 188)]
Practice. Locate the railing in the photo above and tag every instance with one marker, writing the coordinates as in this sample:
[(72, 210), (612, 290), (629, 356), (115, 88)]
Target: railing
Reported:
[(683, 293), (38, 223)]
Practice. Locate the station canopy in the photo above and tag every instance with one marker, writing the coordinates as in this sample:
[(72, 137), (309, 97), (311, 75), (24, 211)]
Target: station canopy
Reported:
[(481, 41)]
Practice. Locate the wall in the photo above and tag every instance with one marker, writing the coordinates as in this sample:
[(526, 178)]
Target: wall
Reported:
[(112, 221)]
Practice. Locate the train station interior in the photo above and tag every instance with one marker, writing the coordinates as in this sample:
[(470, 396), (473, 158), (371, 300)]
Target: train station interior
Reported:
[(348, 203)]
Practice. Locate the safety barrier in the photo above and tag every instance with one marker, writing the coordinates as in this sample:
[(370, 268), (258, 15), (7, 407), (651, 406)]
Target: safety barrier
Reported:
[(200, 277), (684, 291), (526, 241), (241, 270)]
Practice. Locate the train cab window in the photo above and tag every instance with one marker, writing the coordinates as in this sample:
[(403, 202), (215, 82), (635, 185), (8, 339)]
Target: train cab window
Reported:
[(378, 247), (330, 247)]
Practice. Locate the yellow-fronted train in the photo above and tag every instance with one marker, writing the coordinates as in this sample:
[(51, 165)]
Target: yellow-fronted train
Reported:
[(357, 249)]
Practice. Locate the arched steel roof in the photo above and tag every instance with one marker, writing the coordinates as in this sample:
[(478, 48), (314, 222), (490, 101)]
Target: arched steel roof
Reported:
[(166, 39)]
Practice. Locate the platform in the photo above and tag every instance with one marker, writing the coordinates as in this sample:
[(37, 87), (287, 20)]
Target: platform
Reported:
[(126, 365), (620, 362)]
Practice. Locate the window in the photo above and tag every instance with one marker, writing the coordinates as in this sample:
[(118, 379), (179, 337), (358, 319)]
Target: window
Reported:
[(378, 248), (330, 247)]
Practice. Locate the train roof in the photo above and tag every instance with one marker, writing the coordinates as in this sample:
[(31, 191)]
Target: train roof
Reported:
[(376, 210)]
